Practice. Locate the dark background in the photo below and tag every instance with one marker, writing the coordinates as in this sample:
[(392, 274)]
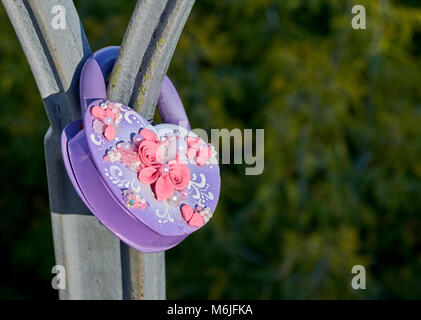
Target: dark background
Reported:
[(342, 181)]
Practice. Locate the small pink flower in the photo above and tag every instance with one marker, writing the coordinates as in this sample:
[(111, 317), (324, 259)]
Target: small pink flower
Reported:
[(106, 117), (195, 217), (203, 155), (197, 151)]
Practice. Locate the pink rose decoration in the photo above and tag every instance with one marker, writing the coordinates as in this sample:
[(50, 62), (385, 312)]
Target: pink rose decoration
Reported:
[(146, 156), (149, 150), (149, 153), (165, 178), (179, 174)]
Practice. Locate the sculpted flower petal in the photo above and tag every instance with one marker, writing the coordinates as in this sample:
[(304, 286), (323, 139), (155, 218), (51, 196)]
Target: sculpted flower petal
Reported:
[(98, 112), (187, 212), (203, 156), (163, 188), (148, 134), (191, 153), (192, 141), (196, 220), (148, 175), (109, 132), (98, 126)]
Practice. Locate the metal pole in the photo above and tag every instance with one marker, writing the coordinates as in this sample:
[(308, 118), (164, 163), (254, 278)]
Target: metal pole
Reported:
[(145, 54), (140, 70), (97, 265), (89, 253)]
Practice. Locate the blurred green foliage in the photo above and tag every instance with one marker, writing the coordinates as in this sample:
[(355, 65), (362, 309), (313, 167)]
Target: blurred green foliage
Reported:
[(342, 181)]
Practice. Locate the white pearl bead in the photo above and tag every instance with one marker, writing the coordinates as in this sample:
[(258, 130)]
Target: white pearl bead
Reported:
[(108, 120), (137, 138), (174, 200)]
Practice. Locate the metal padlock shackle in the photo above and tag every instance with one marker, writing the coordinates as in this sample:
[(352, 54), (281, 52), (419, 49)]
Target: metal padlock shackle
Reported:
[(93, 87), (104, 186)]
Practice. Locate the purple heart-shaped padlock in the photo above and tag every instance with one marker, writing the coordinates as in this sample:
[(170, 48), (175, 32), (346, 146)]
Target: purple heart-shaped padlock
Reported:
[(151, 186)]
